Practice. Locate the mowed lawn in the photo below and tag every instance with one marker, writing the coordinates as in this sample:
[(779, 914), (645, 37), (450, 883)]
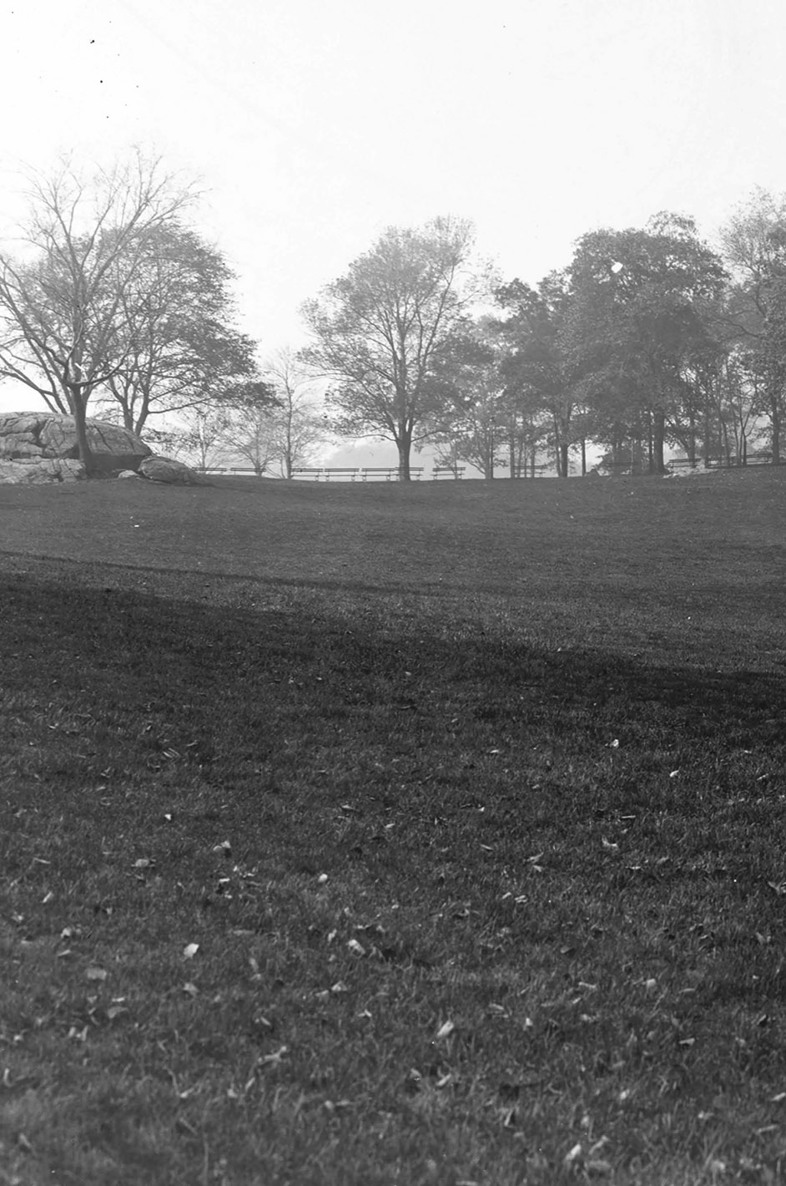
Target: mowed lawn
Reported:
[(366, 834)]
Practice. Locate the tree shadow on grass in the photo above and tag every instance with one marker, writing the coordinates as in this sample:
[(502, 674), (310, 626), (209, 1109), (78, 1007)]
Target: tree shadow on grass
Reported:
[(61, 636)]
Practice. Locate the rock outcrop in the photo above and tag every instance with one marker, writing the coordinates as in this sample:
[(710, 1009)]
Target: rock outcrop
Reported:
[(31, 442), (40, 469)]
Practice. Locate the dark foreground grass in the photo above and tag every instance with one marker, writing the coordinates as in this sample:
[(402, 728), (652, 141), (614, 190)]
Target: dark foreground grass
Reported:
[(363, 835)]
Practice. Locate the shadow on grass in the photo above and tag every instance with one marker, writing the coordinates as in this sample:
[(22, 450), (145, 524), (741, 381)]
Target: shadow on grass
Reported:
[(62, 636)]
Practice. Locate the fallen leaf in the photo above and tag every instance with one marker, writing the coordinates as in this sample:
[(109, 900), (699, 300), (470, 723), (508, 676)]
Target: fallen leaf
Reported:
[(224, 847), (143, 863), (445, 1030), (190, 950), (96, 974), (190, 989), (274, 1059), (573, 1155), (355, 947)]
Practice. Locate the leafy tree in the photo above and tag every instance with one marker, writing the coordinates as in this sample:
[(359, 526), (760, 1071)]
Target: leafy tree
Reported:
[(538, 372), (636, 302), (63, 304), (380, 331), (176, 345), (754, 245), (475, 417)]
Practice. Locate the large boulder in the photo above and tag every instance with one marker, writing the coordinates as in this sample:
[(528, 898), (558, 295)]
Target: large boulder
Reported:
[(34, 437), (165, 469), (40, 469)]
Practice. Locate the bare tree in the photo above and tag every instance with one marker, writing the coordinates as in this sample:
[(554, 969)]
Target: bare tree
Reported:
[(297, 425), (201, 434), (63, 318)]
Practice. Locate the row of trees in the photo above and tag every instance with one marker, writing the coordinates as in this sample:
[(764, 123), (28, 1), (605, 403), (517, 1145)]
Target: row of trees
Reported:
[(648, 338)]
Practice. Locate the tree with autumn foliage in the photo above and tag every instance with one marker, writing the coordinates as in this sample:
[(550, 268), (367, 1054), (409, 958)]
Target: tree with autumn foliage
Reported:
[(380, 332), (637, 303)]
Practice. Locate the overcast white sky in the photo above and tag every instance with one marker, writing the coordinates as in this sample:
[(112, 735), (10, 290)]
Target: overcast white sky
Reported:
[(313, 124)]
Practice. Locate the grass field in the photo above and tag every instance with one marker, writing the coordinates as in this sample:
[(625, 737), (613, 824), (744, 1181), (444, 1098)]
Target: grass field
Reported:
[(371, 834)]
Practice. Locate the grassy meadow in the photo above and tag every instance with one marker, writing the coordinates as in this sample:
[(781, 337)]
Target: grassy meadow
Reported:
[(374, 833)]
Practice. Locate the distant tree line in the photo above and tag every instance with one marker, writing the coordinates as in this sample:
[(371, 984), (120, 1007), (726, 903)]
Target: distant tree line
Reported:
[(649, 339)]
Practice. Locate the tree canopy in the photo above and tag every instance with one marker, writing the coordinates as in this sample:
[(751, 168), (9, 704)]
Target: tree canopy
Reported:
[(380, 332)]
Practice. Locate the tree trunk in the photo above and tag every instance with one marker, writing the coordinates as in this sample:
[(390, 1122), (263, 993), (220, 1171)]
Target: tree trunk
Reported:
[(404, 446), (692, 439), (658, 434), (775, 421), (563, 463), (79, 411), (583, 457)]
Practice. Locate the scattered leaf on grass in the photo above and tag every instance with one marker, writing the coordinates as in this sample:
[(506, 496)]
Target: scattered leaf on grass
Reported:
[(573, 1155), (96, 974), (190, 989), (321, 880), (338, 987), (143, 863), (190, 950), (274, 1060), (445, 1030), (609, 845), (184, 1126), (779, 1098), (224, 847), (355, 947), (337, 1105), (115, 1011)]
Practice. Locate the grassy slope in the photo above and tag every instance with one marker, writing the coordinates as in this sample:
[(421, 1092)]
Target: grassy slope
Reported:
[(400, 708)]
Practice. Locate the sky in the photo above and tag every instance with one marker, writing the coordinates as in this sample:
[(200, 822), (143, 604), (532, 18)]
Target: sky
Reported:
[(312, 125)]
